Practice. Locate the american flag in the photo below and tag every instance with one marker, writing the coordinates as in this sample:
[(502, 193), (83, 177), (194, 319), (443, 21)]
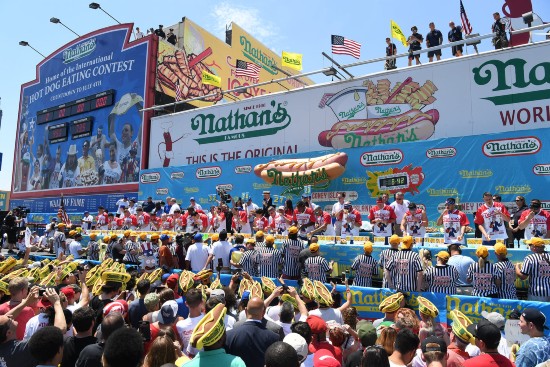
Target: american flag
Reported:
[(62, 213), (464, 19), (344, 46), (178, 91), (247, 69)]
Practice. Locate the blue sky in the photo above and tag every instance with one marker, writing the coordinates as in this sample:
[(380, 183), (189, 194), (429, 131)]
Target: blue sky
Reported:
[(296, 26)]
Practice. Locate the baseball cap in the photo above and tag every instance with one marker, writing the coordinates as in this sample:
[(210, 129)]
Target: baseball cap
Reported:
[(245, 295), (486, 332), (259, 234), (192, 198), (317, 324), (443, 255), (535, 241), (324, 358), (43, 303), (172, 280), (535, 316), (500, 249), (197, 237), (367, 333), (299, 344), (119, 306), (450, 201), (249, 199), (433, 344), (281, 208), (164, 277), (293, 230), (168, 312), (494, 318), (164, 237), (412, 205), (217, 292), (314, 247), (68, 292)]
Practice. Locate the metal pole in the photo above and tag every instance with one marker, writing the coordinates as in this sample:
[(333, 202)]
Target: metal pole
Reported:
[(60, 22), (109, 15), (335, 63)]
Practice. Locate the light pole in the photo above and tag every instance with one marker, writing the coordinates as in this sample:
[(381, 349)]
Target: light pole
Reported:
[(55, 20), (25, 43), (97, 6)]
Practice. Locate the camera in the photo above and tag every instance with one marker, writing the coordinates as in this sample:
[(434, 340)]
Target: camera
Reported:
[(41, 292), (224, 196), (285, 288)]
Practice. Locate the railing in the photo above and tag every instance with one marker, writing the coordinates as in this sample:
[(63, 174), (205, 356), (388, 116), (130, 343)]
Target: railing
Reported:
[(467, 41)]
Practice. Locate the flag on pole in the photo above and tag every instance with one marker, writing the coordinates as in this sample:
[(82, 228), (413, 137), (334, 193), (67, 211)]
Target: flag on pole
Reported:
[(292, 60), (344, 46), (62, 213), (245, 68), (464, 19), (178, 91), (211, 79), (397, 33)]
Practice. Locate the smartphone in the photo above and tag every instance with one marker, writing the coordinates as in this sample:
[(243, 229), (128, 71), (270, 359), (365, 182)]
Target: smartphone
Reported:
[(41, 292), (144, 330)]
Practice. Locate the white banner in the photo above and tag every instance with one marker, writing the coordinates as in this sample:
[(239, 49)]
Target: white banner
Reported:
[(488, 93)]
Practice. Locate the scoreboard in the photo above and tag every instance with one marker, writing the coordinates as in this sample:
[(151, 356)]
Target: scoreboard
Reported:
[(83, 105)]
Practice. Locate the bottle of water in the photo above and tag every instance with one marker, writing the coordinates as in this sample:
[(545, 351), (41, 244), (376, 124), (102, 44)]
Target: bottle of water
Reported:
[(351, 240)]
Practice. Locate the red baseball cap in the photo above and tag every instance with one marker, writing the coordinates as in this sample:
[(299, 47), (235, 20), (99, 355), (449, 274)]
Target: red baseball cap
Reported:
[(324, 358), (317, 324), (172, 281), (120, 306), (43, 303), (68, 292)]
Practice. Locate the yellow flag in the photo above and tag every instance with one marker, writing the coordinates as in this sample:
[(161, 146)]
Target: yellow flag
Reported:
[(211, 79), (292, 60), (397, 33)]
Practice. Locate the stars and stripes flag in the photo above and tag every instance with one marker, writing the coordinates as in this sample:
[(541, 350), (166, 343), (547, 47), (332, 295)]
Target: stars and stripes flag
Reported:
[(178, 91), (464, 19), (62, 213), (344, 46), (245, 68)]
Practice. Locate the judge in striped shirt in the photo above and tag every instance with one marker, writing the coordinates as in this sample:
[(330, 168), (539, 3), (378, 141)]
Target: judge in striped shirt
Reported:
[(441, 278), (269, 258), (317, 266), (536, 267), (365, 267), (132, 250), (387, 254), (249, 260), (291, 249), (404, 271), (506, 272), (482, 275)]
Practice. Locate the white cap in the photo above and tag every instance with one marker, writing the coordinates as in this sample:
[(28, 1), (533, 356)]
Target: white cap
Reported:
[(297, 342), (494, 318)]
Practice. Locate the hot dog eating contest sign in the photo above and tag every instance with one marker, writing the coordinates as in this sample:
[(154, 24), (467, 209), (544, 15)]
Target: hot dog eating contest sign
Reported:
[(479, 94)]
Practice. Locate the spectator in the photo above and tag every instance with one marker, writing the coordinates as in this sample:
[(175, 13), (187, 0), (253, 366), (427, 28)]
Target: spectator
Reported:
[(51, 312), (434, 349), (197, 254), (299, 344), (210, 334), (387, 339), (487, 338), (516, 214), (83, 323), (92, 354), (462, 264), (498, 320), (137, 308), (163, 350), (281, 354), (220, 250), (319, 339), (389, 306), (46, 346), (139, 33), (414, 41), (194, 302), (499, 29), (537, 349), (152, 304), (324, 358), (429, 326), (404, 349), (166, 319), (18, 288), (391, 50), (367, 338), (454, 35), (327, 312), (123, 349), (375, 355), (434, 38)]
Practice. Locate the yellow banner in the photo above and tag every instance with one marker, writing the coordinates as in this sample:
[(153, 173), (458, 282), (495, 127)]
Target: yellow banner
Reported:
[(292, 60), (211, 79), (397, 33)]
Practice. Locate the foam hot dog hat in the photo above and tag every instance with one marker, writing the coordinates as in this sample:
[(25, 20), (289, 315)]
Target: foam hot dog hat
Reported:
[(204, 274), (460, 325), (186, 280), (256, 290), (426, 307), (268, 286), (391, 303), (244, 286), (308, 289), (4, 288), (322, 294), (288, 298), (216, 284), (115, 277), (210, 329)]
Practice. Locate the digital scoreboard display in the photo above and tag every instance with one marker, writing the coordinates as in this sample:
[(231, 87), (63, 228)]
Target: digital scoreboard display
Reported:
[(82, 127), (57, 133), (395, 181), (87, 104)]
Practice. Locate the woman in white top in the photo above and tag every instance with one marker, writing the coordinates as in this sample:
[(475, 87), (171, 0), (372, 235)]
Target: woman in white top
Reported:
[(111, 168)]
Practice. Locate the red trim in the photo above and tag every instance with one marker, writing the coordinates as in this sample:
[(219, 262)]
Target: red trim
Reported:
[(150, 81), (82, 190)]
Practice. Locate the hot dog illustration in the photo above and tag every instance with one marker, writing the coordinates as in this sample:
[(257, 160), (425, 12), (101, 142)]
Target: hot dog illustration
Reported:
[(311, 171)]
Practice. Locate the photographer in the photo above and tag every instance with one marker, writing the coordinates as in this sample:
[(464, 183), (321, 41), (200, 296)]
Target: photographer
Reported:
[(535, 221), (10, 228)]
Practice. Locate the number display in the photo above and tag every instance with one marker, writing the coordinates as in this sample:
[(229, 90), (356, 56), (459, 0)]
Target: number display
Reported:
[(90, 103), (395, 181), (81, 128), (57, 133)]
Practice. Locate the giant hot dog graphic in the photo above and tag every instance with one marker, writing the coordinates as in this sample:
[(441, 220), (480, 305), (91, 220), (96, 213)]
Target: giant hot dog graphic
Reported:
[(377, 114), (317, 171)]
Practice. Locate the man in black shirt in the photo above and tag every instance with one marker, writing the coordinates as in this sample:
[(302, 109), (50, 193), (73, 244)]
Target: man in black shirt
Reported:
[(159, 32), (498, 27), (91, 355), (10, 228), (171, 37), (434, 38), (391, 50), (454, 35), (414, 41), (517, 233), (83, 323)]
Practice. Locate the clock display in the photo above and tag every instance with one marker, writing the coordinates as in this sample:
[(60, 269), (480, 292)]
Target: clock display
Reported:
[(82, 127), (57, 133), (90, 103), (393, 182)]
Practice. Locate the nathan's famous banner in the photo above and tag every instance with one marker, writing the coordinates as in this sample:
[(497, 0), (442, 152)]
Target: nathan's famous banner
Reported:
[(197, 50), (494, 92), (80, 125), (428, 172)]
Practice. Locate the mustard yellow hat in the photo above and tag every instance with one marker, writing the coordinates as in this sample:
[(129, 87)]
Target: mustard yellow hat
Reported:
[(293, 230), (308, 289), (288, 298), (4, 288), (535, 241), (426, 307), (482, 251), (407, 242), (210, 329), (443, 255), (268, 286), (269, 239), (500, 249), (314, 247), (367, 247), (391, 303), (114, 276), (394, 240)]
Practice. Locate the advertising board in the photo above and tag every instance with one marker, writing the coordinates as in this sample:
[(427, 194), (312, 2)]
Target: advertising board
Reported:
[(494, 92), (80, 129)]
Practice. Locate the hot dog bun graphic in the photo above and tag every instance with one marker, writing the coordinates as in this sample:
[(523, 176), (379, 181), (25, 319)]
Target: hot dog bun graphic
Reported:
[(351, 133), (308, 171)]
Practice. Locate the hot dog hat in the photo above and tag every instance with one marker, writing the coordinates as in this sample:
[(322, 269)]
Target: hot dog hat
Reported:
[(323, 295), (460, 325), (204, 274), (308, 289), (256, 290), (186, 280), (427, 308), (482, 251), (115, 277), (268, 286), (216, 284), (210, 329), (391, 303), (288, 298), (407, 242), (4, 288), (394, 240)]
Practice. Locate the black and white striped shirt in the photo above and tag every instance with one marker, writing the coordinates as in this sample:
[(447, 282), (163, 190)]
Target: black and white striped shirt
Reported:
[(291, 253), (316, 268), (506, 272), (441, 279), (537, 267), (365, 267), (483, 280), (249, 262), (269, 259), (93, 250), (128, 257), (385, 257), (404, 267)]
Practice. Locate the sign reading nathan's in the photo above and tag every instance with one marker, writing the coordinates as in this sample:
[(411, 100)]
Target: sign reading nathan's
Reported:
[(494, 92)]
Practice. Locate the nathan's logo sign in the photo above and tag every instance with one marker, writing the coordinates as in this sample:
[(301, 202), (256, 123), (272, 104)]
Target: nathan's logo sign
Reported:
[(541, 169), (516, 146), (238, 125), (176, 175), (257, 56), (381, 157), (225, 187), (243, 169), (162, 191), (513, 73), (79, 51), (208, 172), (148, 178), (349, 114), (447, 152), (295, 174)]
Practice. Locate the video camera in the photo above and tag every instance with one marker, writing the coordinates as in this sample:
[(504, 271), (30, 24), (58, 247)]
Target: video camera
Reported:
[(21, 211), (224, 196)]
